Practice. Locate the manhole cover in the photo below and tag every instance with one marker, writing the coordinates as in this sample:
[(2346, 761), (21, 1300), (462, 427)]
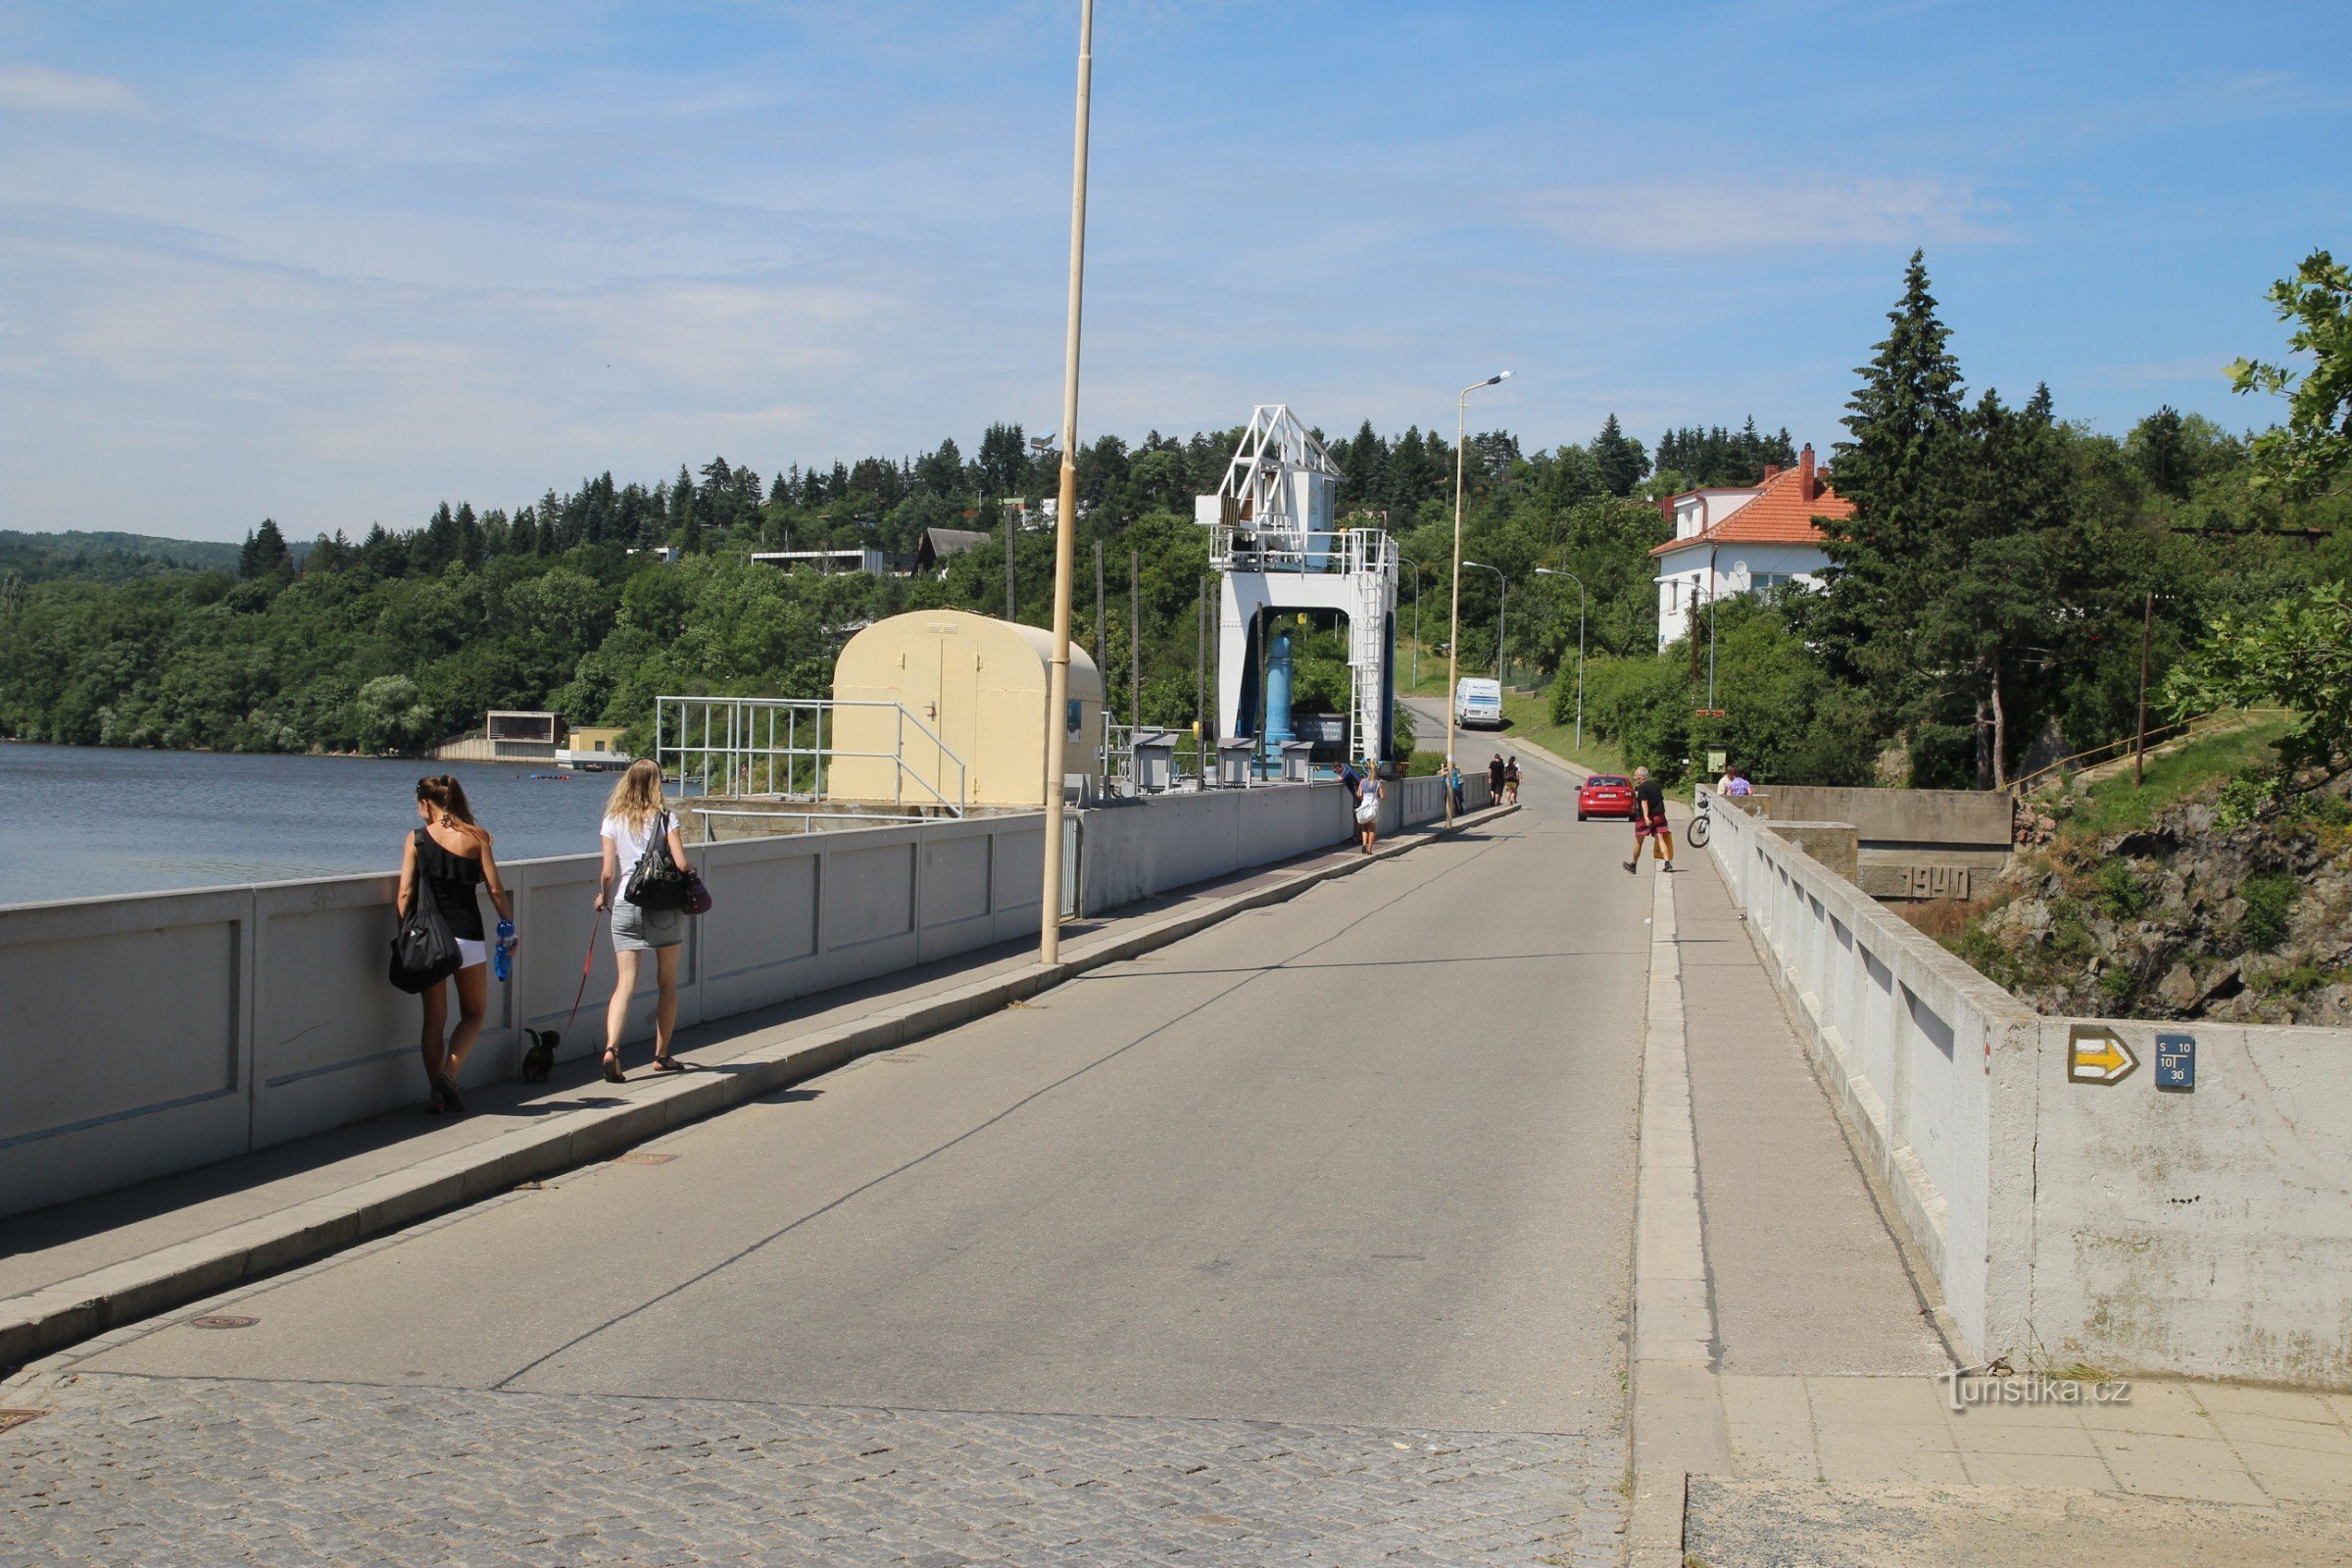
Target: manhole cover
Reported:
[(16, 1418), (640, 1157), (223, 1320)]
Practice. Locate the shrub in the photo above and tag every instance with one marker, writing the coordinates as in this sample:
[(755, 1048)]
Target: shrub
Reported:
[(2119, 889), (2268, 895)]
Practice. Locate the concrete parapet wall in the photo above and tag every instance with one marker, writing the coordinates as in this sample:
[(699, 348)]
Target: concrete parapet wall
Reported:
[(1925, 818), (1835, 845), (155, 1033), (2142, 1231)]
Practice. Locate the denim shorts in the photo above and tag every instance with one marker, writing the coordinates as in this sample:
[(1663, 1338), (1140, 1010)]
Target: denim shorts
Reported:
[(636, 930)]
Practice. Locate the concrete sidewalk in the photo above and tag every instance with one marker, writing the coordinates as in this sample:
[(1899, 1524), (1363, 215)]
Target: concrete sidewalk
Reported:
[(78, 1269), (1817, 1430)]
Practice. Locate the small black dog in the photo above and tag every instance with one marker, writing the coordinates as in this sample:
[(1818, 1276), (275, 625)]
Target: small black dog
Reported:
[(540, 1060)]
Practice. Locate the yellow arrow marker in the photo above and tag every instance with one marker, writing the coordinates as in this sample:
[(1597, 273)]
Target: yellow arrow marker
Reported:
[(2099, 1054)]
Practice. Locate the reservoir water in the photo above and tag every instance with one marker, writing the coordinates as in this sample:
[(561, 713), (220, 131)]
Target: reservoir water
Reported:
[(81, 821)]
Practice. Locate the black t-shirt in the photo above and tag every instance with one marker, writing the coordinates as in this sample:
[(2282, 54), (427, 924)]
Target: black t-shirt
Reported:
[(1649, 801), (454, 877), (1495, 774)]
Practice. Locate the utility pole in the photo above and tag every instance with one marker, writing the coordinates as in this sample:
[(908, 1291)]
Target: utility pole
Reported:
[(2140, 750), (1010, 519), (1057, 680), (1135, 637), (1101, 624)]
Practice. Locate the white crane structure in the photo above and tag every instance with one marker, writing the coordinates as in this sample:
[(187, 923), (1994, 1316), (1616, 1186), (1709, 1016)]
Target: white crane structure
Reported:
[(1276, 548)]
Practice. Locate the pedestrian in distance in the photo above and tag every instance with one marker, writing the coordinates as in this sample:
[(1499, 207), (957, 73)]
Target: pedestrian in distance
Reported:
[(636, 818), (1649, 822), (1367, 809), (1510, 780), (1739, 785), (1453, 785), (1495, 780), (446, 859)]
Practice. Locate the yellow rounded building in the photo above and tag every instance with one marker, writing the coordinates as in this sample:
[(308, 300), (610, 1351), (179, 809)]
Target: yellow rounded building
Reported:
[(971, 686)]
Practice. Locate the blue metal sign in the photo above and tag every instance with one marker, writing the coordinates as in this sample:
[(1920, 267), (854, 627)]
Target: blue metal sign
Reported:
[(2177, 1061)]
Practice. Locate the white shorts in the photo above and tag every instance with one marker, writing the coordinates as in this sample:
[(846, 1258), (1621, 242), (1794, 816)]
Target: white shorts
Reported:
[(471, 955)]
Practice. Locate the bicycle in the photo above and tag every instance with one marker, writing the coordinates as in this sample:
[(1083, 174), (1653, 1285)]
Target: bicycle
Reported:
[(1696, 835)]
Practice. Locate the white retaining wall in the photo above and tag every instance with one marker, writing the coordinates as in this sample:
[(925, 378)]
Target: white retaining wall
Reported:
[(2120, 1226), (155, 1033)]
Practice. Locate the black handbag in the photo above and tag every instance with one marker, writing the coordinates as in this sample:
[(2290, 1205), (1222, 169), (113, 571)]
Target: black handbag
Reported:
[(423, 952), (656, 883)]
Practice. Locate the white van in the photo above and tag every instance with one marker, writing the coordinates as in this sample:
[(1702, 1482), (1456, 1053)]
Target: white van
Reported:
[(1478, 704)]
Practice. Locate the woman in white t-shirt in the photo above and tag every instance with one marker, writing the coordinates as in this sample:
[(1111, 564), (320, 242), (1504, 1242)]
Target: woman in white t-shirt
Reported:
[(1367, 808), (633, 815)]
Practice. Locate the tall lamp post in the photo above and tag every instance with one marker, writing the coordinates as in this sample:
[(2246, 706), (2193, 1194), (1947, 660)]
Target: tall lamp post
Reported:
[(1501, 606), (1453, 616), (1057, 681), (1554, 572)]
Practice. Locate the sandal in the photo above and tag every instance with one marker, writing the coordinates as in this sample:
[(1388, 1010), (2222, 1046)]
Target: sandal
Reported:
[(612, 1072), (447, 1089), (436, 1106), (668, 1064)]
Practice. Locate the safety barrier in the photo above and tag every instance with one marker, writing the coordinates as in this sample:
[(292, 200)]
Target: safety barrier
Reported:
[(2100, 1216)]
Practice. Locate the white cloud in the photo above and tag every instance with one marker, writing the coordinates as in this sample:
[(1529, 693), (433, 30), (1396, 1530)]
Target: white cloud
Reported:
[(1701, 217), (41, 89)]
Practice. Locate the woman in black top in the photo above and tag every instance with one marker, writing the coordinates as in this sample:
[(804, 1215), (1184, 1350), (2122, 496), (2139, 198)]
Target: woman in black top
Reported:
[(451, 855)]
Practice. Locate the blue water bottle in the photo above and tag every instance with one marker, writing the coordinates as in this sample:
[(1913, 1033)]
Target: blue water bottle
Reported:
[(503, 963)]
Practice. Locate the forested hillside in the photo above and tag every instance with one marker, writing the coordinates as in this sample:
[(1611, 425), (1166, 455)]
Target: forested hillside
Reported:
[(1987, 606), (104, 556)]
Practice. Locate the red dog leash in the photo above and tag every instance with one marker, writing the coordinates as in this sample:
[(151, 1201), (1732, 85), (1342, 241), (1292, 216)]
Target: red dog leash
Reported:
[(587, 961)]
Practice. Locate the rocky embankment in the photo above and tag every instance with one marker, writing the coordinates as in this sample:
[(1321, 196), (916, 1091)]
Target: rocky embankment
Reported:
[(2194, 915)]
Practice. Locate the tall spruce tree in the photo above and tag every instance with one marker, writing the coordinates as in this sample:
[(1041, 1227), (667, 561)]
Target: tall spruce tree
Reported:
[(1900, 470), (1623, 462)]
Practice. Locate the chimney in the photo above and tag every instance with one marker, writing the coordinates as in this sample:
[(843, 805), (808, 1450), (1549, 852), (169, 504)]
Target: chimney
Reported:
[(1772, 471), (1805, 480)]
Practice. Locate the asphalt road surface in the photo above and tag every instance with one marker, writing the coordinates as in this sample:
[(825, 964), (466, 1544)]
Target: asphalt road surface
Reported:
[(1305, 1239)]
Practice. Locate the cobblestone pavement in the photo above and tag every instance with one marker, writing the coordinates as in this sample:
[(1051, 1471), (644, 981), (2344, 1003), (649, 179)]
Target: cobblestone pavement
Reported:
[(165, 1471)]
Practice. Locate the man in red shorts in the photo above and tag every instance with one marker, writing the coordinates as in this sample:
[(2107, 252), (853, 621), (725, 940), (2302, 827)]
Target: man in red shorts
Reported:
[(1649, 822)]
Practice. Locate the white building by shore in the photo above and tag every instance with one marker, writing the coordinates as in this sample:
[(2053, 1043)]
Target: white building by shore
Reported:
[(1741, 540)]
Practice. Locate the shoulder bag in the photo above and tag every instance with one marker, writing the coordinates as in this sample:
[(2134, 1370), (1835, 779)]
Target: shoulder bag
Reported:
[(657, 884), (423, 952)]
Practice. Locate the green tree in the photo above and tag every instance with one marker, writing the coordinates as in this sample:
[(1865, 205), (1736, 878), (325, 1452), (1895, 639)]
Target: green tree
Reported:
[(264, 553), (2295, 654), (2312, 452), (1621, 461), (1899, 469), (388, 714)]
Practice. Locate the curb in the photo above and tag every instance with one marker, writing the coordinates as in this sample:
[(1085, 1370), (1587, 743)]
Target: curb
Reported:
[(1676, 1414), (56, 1317)]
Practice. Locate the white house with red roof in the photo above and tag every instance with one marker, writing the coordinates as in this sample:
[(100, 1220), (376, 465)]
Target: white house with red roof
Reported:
[(1732, 540)]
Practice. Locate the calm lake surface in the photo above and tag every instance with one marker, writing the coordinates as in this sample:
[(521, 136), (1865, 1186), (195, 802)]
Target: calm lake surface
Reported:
[(82, 821)]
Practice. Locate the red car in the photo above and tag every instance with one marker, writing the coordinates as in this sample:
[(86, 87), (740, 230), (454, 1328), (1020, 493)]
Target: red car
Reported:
[(1605, 794)]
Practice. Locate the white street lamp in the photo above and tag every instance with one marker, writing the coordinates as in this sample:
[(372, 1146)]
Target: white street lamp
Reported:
[(1453, 618)]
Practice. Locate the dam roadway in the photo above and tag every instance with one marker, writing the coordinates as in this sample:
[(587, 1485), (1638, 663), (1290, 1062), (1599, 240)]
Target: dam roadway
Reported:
[(1307, 1238)]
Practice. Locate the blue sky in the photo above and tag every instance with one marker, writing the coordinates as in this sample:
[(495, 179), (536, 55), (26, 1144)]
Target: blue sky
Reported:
[(333, 263)]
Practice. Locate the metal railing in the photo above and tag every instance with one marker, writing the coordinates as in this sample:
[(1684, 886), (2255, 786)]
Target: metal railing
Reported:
[(787, 746), (1237, 546)]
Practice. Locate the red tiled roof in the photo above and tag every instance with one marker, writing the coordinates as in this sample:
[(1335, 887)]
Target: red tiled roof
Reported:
[(1780, 514)]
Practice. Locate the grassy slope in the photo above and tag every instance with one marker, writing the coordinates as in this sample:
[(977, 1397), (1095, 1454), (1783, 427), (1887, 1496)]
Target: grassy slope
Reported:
[(2113, 805)]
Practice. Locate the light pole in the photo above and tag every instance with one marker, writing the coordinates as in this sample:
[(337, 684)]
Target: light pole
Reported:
[(1501, 605), (1057, 681), (1554, 572), (1416, 565), (1453, 616)]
